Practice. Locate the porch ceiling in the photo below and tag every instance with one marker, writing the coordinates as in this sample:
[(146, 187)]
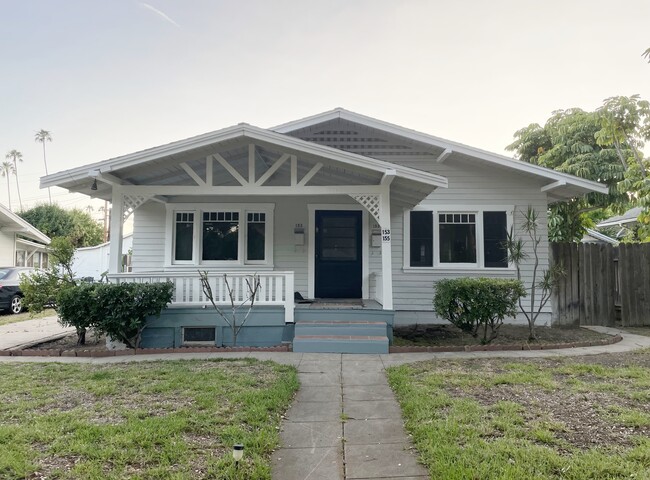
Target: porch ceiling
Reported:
[(176, 165)]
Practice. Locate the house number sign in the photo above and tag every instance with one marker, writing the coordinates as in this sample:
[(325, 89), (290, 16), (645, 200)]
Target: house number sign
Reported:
[(385, 235)]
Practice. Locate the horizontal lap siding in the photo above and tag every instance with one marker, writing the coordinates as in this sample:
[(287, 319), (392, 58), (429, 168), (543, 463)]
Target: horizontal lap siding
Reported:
[(148, 237), (473, 186)]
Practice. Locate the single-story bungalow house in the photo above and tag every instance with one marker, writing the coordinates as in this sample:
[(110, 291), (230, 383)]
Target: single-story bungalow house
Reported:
[(21, 244), (358, 214)]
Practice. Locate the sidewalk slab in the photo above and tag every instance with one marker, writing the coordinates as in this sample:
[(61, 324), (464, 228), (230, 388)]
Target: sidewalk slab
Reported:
[(367, 392), (311, 434), (308, 463), (314, 412), (377, 461), (361, 410), (375, 431), (329, 393)]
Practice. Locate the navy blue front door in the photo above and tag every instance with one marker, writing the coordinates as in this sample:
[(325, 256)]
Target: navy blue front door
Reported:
[(337, 262)]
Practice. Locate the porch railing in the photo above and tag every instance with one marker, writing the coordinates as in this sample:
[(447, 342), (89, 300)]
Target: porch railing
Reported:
[(276, 288)]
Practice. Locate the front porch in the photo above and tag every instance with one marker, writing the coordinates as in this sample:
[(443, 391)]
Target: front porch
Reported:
[(317, 325)]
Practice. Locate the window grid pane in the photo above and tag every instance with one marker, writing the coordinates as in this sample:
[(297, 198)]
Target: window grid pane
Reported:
[(457, 233)]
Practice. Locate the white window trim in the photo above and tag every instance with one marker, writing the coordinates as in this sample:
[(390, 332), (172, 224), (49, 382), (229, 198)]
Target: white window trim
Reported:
[(198, 209), (455, 267)]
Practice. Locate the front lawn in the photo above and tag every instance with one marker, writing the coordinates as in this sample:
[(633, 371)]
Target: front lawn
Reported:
[(145, 420), (6, 317), (562, 418)]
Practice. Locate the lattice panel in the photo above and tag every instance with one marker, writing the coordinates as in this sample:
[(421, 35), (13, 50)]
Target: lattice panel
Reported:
[(370, 201), (131, 203)]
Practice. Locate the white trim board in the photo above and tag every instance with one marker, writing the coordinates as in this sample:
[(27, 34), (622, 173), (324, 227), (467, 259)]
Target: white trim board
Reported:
[(311, 244)]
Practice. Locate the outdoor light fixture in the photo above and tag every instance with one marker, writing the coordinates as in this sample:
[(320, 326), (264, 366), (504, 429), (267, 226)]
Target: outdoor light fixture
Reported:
[(237, 452), (94, 185)]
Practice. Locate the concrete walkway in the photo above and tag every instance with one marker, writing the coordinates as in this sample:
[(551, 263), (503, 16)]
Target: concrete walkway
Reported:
[(345, 422), (30, 332)]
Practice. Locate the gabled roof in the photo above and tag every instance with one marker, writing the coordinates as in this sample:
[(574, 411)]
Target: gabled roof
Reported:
[(560, 182), (10, 222), (600, 237), (629, 216), (69, 178)]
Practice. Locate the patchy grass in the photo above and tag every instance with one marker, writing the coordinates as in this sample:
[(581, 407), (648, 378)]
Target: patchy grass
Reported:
[(146, 420), (450, 335), (6, 317), (560, 418)]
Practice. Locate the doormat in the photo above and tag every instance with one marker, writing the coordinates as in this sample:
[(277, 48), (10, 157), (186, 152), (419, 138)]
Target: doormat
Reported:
[(325, 303)]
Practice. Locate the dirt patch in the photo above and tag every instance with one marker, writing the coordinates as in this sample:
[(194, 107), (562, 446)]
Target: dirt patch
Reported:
[(449, 335), (69, 342), (645, 331), (579, 419)]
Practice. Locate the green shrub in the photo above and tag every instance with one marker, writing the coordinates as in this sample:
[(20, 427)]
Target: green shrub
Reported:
[(122, 309), (118, 310), (474, 304), (77, 307)]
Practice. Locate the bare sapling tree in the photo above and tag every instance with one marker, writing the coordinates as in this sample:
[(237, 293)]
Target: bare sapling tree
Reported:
[(240, 307), (542, 283)]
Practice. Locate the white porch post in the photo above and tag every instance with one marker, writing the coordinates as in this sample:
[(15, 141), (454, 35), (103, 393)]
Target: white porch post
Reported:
[(115, 256), (386, 244)]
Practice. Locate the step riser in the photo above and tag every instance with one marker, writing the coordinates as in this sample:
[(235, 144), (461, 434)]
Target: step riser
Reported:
[(348, 346), (343, 316), (370, 330)]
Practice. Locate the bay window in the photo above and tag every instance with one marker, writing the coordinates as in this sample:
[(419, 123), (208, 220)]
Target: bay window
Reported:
[(451, 238)]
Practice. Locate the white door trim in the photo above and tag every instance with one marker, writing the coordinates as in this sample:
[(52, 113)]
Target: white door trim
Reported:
[(311, 244)]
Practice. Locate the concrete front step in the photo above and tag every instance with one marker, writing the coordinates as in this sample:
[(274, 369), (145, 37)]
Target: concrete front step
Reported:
[(340, 344), (341, 328)]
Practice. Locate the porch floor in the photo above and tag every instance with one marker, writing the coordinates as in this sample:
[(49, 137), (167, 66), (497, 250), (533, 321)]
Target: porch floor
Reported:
[(340, 304)]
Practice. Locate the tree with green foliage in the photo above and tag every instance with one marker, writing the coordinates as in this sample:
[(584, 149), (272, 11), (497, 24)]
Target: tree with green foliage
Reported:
[(6, 169), (16, 157), (542, 283), (54, 221), (41, 288), (43, 136), (603, 146)]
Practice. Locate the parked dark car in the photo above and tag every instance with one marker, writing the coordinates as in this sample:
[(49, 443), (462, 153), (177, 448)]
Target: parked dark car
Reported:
[(11, 298)]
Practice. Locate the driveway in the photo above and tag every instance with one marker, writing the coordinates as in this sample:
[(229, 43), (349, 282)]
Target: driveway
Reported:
[(30, 332)]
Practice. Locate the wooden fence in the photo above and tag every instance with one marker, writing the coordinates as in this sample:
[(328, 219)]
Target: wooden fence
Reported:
[(600, 279)]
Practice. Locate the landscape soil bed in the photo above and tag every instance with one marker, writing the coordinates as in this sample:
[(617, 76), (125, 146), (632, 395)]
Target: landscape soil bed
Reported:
[(449, 335)]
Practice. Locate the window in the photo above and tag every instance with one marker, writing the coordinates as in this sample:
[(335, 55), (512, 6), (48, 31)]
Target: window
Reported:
[(256, 238), (20, 258), (220, 236), (421, 239), (474, 238), (495, 231), (44, 260), (457, 237), (199, 335), (184, 236), (211, 234)]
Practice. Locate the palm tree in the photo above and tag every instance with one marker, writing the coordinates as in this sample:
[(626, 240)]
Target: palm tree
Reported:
[(7, 168), (16, 157), (43, 136)]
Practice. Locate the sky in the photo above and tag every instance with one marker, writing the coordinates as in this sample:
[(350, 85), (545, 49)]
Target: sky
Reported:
[(108, 78)]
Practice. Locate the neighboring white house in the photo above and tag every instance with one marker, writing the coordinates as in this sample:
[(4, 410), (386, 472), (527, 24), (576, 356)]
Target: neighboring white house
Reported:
[(624, 222), (337, 205), (91, 262), (21, 244)]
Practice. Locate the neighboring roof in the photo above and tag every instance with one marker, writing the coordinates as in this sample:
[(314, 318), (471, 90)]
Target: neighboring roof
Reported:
[(628, 217), (29, 243), (592, 235), (68, 178), (10, 222), (570, 184)]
